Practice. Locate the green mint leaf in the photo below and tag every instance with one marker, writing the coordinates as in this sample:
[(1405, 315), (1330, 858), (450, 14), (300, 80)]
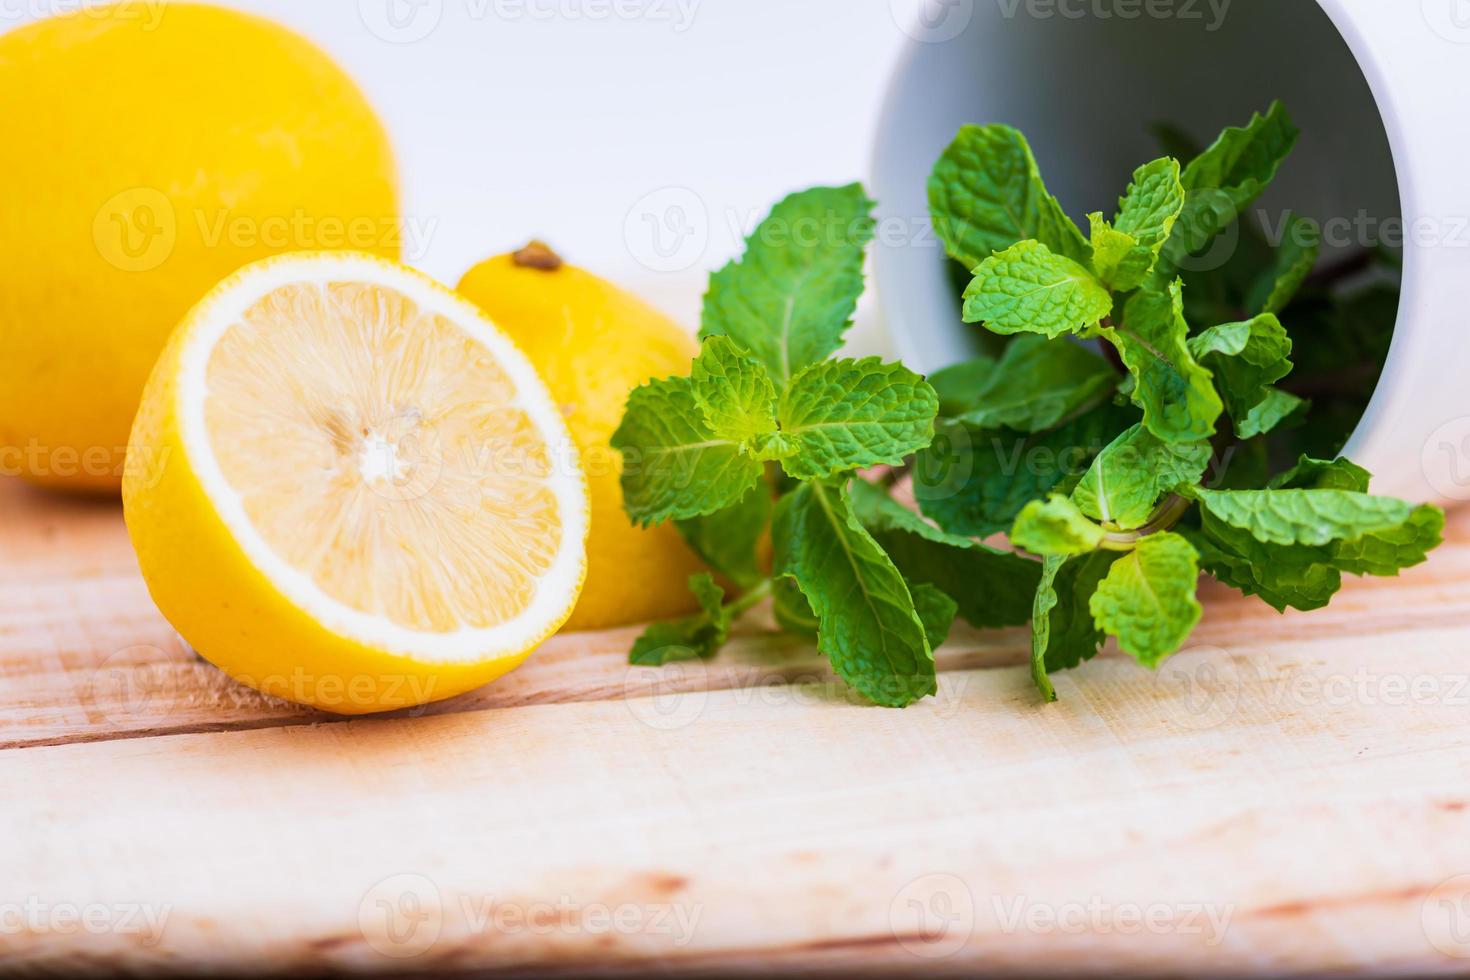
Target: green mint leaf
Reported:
[(1030, 289), (867, 624), (839, 416), (1038, 383), (1385, 553), (1176, 393), (1294, 261), (974, 482), (1148, 211), (1074, 634), (1046, 601), (791, 298), (937, 611), (959, 386), (1124, 252), (695, 638), (729, 540), (1063, 633), (1056, 528), (992, 587), (1322, 474), (735, 393), (1247, 359), (1283, 583), (1277, 407), (1223, 180), (1119, 261), (674, 466), (1126, 481), (1148, 599), (1345, 530), (1310, 518), (986, 194), (1244, 161)]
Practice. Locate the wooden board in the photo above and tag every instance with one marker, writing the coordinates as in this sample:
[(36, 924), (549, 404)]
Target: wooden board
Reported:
[(1292, 794)]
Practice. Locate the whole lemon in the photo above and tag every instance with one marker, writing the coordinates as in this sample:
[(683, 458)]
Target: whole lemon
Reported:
[(150, 150), (592, 344)]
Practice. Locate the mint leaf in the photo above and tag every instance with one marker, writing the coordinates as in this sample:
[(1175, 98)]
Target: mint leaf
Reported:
[(735, 394), (1046, 601), (1386, 552), (1056, 528), (1176, 393), (1322, 474), (1148, 599), (1223, 180), (1126, 481), (993, 587), (674, 466), (1277, 407), (695, 638), (1344, 530), (986, 194), (1125, 252), (1063, 633), (1119, 261), (1030, 289), (973, 482), (1244, 161), (1247, 359), (1037, 384), (936, 611), (1152, 205), (1283, 584), (1294, 261), (840, 416), (728, 540), (1311, 518), (867, 624), (791, 298)]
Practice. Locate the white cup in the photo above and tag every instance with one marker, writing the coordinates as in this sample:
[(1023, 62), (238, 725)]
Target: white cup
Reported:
[(1378, 87)]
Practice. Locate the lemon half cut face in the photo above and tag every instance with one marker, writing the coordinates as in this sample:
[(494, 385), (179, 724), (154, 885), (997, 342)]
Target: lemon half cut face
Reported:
[(385, 485)]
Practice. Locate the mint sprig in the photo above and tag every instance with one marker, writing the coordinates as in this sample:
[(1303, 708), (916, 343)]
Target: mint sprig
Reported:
[(1124, 532), (1123, 435)]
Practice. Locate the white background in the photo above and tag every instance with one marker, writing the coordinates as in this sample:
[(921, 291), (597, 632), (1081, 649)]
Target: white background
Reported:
[(558, 119)]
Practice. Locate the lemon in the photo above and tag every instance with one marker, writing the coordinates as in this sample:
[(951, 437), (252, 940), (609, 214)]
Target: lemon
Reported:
[(360, 496), (150, 150), (593, 343)]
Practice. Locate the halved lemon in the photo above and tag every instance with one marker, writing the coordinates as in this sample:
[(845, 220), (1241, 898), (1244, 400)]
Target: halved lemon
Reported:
[(347, 488)]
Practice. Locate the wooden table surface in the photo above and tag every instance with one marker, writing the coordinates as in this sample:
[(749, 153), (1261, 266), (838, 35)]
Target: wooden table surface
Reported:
[(1292, 794)]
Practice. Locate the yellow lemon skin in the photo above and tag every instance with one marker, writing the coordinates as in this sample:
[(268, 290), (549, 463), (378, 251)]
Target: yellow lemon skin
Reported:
[(593, 343), (149, 151), (214, 595)]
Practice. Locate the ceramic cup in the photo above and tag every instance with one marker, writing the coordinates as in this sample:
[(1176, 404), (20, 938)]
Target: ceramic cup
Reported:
[(1378, 88)]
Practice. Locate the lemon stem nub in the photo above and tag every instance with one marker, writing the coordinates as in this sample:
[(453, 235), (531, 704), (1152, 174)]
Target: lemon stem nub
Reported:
[(538, 255)]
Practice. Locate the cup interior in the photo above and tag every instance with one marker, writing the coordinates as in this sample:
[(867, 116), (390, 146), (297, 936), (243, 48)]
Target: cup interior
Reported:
[(1086, 82)]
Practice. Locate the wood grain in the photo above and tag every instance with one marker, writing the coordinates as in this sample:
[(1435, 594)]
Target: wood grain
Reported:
[(1290, 795)]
